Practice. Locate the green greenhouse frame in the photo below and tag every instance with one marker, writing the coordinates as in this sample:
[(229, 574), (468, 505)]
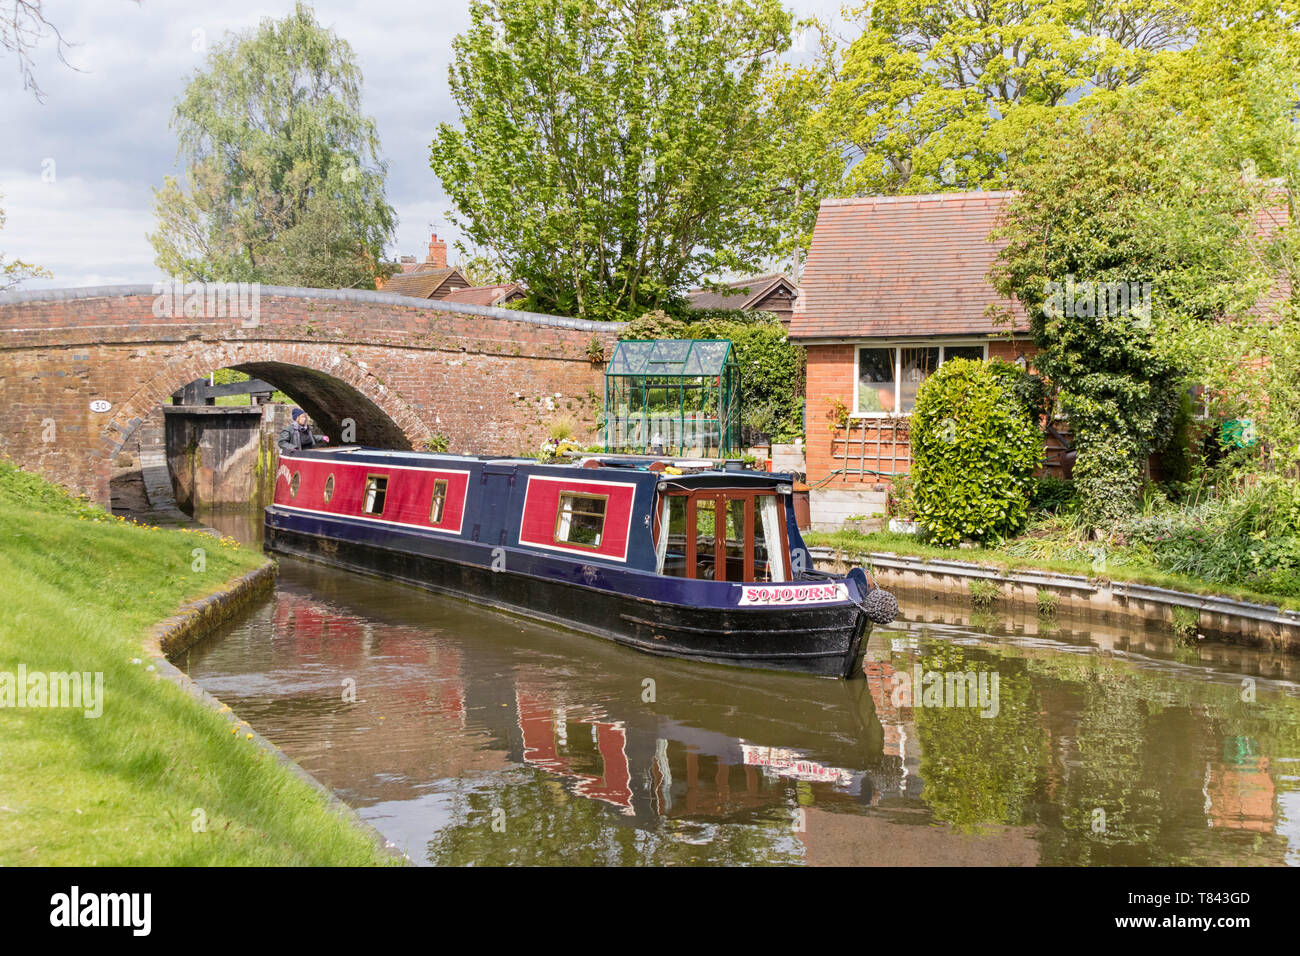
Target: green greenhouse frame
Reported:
[(673, 396)]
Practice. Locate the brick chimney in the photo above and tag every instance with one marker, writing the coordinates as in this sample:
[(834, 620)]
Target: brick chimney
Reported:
[(437, 252)]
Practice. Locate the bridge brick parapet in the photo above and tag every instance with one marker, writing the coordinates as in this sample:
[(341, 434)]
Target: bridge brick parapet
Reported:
[(402, 370)]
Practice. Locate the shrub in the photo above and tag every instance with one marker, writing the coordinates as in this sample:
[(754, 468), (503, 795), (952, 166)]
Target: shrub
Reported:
[(974, 452), (1248, 535), (1108, 479), (1052, 494)]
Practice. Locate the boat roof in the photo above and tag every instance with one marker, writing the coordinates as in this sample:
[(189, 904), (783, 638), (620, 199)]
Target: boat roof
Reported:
[(687, 471)]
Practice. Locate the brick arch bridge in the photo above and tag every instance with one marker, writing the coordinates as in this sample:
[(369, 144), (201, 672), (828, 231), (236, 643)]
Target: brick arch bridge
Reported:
[(403, 370)]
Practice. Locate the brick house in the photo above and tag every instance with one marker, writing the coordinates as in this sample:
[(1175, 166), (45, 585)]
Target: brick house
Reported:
[(430, 279), (774, 292), (434, 279), (893, 287)]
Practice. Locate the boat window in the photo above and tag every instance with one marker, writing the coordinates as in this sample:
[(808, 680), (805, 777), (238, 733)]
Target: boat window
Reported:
[(376, 492), (294, 483), (769, 561), (580, 519), (329, 488), (439, 501), (672, 537)]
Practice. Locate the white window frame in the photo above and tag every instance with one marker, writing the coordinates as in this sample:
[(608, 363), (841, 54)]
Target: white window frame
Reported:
[(898, 345)]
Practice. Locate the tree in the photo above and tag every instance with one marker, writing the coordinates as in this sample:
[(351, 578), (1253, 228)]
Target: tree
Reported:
[(932, 96), (283, 181), (13, 274), (1250, 360), (1128, 228), (611, 154), (804, 162)]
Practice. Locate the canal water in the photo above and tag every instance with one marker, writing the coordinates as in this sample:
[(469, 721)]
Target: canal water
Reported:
[(472, 738)]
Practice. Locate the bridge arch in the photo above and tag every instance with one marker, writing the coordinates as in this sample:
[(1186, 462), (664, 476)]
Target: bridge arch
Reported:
[(330, 386), (82, 369)]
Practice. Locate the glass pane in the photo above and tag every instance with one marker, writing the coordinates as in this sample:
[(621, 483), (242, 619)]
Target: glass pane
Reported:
[(706, 358), (875, 380), (581, 520), (761, 570), (735, 539), (975, 352), (675, 556), (439, 501), (917, 365), (705, 544), (376, 491)]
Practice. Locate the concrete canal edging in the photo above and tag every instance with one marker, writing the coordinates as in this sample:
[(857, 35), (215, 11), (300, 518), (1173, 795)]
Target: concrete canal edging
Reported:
[(195, 621), (1215, 617)]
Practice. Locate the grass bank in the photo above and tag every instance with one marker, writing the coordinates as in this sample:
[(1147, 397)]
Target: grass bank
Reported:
[(157, 779), (1113, 564)]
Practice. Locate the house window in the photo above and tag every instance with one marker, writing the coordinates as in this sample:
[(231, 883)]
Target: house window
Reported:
[(439, 501), (889, 377), (376, 492), (580, 519)]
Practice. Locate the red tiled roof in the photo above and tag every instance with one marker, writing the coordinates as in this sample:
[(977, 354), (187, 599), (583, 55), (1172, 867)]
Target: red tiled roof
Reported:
[(901, 266), (487, 294), (744, 293), (426, 283)]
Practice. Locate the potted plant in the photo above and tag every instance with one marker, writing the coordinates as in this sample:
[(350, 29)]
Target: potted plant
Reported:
[(900, 505)]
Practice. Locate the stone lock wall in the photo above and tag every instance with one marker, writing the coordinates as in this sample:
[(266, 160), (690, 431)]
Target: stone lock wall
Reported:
[(491, 381)]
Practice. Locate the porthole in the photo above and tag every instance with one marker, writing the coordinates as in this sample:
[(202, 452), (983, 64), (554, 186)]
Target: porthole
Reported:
[(294, 483), (329, 488)]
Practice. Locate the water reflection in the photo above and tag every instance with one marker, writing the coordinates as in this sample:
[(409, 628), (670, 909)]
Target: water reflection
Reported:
[(473, 738)]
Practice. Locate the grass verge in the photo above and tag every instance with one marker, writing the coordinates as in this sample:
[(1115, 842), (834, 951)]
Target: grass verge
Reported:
[(132, 786), (1111, 564)]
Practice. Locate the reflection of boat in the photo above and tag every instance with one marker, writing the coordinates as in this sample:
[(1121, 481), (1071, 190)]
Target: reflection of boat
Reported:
[(708, 566)]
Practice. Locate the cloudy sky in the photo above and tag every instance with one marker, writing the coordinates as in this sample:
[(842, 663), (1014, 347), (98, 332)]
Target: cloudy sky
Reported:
[(77, 170)]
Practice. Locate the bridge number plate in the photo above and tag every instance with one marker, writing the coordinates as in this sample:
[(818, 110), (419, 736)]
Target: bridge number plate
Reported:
[(99, 405)]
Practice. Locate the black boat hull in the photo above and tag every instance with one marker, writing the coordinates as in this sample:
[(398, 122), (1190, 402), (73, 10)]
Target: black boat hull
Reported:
[(818, 640)]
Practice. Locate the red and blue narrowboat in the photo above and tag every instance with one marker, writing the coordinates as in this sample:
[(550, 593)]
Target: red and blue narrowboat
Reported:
[(701, 564)]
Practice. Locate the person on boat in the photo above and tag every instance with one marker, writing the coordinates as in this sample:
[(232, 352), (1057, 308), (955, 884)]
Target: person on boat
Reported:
[(297, 435)]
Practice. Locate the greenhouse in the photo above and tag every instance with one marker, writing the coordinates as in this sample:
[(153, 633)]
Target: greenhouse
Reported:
[(673, 396)]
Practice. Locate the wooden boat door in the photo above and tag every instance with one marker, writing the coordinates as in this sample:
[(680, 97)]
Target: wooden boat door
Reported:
[(723, 534)]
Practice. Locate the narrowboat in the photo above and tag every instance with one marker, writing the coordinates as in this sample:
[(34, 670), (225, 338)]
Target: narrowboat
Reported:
[(677, 559)]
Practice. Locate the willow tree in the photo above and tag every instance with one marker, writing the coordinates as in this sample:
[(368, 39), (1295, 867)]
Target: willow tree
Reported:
[(279, 158), (612, 153)]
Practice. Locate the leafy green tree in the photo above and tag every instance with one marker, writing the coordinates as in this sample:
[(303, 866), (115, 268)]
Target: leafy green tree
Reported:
[(1249, 361), (933, 97), (612, 154), (283, 183), (1127, 229)]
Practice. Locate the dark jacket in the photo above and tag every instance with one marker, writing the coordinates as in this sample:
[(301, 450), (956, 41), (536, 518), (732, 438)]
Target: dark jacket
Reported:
[(295, 438)]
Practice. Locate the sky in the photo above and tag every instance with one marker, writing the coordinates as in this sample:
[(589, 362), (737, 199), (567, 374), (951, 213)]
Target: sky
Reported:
[(78, 170)]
